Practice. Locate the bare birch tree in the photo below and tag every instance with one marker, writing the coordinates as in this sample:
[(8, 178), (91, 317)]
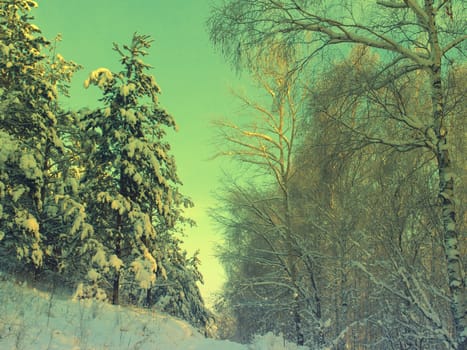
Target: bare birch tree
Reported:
[(267, 143)]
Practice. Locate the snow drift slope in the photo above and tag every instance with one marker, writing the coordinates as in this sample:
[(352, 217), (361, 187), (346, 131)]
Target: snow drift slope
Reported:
[(34, 320)]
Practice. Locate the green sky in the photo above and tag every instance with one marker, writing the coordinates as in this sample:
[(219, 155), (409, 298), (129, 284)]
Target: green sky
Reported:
[(195, 84)]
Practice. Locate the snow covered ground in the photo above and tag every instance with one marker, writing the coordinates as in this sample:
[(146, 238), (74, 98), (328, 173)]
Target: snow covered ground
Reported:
[(34, 320)]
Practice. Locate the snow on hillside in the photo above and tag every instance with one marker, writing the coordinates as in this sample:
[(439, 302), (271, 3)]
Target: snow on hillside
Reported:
[(34, 320)]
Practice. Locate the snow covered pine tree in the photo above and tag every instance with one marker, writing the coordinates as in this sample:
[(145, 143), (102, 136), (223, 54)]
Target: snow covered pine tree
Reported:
[(131, 189), (36, 212)]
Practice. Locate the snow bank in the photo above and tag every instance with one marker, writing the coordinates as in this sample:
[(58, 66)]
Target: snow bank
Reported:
[(34, 320)]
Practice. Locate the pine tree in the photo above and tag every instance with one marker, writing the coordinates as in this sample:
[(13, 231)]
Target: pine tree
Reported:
[(178, 294), (131, 184), (36, 210)]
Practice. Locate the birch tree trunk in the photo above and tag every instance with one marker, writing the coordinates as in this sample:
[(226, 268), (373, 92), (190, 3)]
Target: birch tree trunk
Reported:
[(446, 191)]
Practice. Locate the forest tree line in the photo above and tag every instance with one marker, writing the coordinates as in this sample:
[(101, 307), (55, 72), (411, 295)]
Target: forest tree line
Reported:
[(347, 228), (90, 196)]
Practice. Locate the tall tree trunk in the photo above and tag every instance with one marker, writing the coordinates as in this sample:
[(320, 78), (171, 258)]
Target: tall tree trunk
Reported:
[(446, 192), (298, 322), (297, 318), (115, 288), (455, 271), (118, 238), (292, 261), (116, 281), (148, 298), (118, 253)]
